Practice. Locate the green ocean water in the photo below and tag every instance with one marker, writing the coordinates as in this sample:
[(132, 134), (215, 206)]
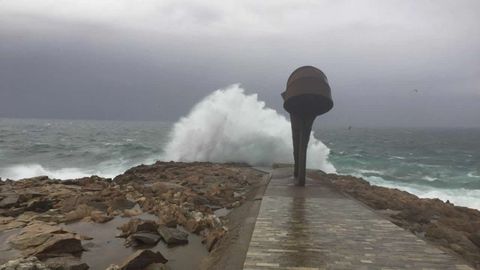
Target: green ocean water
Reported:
[(443, 163), (67, 149), (429, 162)]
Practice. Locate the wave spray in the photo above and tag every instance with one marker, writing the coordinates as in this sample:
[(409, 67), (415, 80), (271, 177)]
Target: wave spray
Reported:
[(231, 126)]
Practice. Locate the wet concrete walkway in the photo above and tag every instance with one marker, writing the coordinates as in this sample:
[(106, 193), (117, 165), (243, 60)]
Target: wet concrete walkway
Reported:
[(318, 228)]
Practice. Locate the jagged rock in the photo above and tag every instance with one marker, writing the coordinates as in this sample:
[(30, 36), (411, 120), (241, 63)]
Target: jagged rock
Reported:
[(5, 220), (9, 200), (200, 200), (11, 225), (100, 206), (29, 194), (34, 235), (94, 180), (200, 221), (475, 238), (138, 225), (132, 212), (181, 218), (36, 178), (26, 216), (39, 205), (157, 266), (141, 259), (43, 241), (234, 204), (212, 238), (146, 238), (49, 216), (30, 263), (65, 263), (58, 245), (153, 266), (168, 220), (12, 211), (100, 217), (159, 188), (146, 204), (128, 178), (193, 226), (121, 204), (93, 188), (80, 212), (177, 193), (173, 236), (70, 203), (170, 214)]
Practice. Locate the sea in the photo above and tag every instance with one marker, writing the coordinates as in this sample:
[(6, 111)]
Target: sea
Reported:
[(231, 126)]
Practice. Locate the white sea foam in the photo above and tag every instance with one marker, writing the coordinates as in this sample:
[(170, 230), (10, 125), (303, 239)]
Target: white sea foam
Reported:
[(471, 174), (31, 170), (461, 197), (362, 171), (231, 126), (429, 178)]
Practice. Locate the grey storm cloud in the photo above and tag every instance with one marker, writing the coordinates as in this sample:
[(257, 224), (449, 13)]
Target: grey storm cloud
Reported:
[(153, 60)]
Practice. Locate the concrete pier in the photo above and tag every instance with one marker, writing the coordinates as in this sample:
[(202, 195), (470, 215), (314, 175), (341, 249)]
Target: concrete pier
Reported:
[(318, 228)]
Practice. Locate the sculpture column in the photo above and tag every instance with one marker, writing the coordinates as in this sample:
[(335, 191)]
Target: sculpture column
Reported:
[(301, 129), (307, 95)]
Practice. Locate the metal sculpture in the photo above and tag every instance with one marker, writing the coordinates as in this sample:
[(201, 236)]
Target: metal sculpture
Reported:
[(307, 96)]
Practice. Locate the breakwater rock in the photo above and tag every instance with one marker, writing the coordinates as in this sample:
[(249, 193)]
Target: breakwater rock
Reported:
[(149, 207)]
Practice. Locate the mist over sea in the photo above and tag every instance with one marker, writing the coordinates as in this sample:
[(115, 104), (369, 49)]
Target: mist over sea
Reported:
[(229, 125)]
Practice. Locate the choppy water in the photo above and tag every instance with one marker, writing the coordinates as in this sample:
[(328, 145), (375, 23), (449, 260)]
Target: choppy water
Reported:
[(443, 163), (67, 149), (434, 163)]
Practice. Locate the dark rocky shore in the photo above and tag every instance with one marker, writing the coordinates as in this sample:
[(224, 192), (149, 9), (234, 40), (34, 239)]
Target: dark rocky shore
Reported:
[(454, 228), (165, 216), (181, 216)]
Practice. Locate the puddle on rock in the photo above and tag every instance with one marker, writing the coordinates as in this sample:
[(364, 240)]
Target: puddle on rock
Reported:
[(106, 249)]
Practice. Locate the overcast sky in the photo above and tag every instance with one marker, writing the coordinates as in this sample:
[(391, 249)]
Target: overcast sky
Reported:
[(153, 60)]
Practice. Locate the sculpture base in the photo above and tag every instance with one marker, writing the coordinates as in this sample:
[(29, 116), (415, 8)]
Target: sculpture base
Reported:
[(299, 182)]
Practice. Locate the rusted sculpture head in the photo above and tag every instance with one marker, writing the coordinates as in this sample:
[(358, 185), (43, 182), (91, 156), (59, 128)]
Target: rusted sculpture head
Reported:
[(308, 92), (307, 96)]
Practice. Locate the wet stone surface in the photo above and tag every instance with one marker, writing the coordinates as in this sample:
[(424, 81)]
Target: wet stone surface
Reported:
[(75, 222), (318, 228)]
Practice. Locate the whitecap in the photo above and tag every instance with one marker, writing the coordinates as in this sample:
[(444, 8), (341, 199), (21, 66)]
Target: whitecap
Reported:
[(31, 170), (459, 196), (429, 178), (471, 174), (21, 171), (364, 171)]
